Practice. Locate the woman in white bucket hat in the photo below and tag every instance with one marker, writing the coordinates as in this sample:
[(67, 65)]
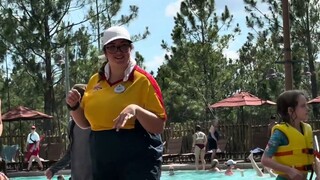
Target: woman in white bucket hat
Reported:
[(123, 106)]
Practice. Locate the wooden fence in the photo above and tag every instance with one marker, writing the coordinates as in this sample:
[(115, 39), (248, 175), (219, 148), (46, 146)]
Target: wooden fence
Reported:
[(21, 140), (241, 137)]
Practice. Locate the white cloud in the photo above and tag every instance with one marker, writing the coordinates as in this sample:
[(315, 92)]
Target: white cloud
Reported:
[(155, 63), (173, 8)]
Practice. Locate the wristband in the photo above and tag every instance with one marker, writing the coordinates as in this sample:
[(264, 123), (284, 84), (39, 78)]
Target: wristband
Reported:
[(74, 107), (316, 153)]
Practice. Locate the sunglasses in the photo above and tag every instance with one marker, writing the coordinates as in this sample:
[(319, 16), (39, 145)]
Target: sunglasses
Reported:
[(113, 49)]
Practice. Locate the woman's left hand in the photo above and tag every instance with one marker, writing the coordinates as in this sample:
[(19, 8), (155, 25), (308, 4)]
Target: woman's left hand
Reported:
[(126, 114)]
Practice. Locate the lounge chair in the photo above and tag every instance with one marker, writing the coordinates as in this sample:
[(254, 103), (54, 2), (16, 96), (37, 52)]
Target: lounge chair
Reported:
[(54, 152), (173, 150), (42, 156), (11, 155), (49, 154), (221, 151), (186, 152)]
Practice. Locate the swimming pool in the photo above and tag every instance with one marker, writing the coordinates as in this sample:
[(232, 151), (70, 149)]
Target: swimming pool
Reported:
[(249, 174), (184, 175), (66, 177), (208, 175)]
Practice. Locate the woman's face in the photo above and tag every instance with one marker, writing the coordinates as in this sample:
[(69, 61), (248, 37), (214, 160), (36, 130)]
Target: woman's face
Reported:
[(118, 51)]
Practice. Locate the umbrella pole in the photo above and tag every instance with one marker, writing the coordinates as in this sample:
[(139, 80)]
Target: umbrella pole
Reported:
[(242, 118), (20, 134), (242, 130), (10, 137)]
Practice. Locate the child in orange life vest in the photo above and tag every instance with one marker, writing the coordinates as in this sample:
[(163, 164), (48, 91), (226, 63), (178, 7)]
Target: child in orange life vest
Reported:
[(290, 148), (199, 146)]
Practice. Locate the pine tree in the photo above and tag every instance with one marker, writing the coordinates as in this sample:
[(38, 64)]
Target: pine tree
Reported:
[(196, 70)]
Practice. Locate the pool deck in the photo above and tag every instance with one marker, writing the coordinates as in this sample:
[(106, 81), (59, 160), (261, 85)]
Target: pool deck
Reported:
[(165, 167), (12, 174)]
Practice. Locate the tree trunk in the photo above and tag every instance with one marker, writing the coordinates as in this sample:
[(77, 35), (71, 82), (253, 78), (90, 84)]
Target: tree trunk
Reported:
[(314, 88), (48, 85)]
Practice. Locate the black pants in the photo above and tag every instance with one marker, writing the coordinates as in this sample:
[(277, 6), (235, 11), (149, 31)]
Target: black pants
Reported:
[(124, 155), (3, 165)]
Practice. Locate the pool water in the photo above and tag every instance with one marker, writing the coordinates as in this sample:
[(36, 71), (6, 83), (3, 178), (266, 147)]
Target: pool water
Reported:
[(66, 177), (207, 175), (185, 175)]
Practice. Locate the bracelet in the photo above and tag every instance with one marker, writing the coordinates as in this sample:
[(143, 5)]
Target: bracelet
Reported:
[(74, 107), (316, 153)]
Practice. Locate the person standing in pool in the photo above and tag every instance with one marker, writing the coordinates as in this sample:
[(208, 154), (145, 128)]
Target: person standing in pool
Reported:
[(291, 133), (260, 172), (171, 170), (214, 166), (199, 147), (230, 166)]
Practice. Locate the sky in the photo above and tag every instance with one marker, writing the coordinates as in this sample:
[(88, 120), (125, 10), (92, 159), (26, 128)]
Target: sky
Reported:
[(158, 15)]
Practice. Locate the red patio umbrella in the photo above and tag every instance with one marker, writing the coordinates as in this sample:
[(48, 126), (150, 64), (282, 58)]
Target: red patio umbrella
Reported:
[(241, 99), (22, 113)]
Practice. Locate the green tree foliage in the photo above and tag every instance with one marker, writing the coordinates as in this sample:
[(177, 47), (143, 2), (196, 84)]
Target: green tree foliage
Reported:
[(29, 31), (38, 39), (304, 31), (105, 13), (196, 72)]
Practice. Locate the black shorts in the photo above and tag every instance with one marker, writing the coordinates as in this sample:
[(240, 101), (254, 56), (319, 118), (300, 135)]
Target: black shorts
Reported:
[(212, 144), (125, 155)]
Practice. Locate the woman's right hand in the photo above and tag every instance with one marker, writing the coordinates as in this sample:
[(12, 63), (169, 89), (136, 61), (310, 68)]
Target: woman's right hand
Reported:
[(48, 173), (29, 150), (73, 97)]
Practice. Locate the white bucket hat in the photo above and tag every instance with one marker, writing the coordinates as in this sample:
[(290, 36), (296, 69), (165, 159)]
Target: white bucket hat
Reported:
[(231, 162), (114, 33)]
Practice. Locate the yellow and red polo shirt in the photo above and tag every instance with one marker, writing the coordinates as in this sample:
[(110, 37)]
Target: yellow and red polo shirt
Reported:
[(102, 102)]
